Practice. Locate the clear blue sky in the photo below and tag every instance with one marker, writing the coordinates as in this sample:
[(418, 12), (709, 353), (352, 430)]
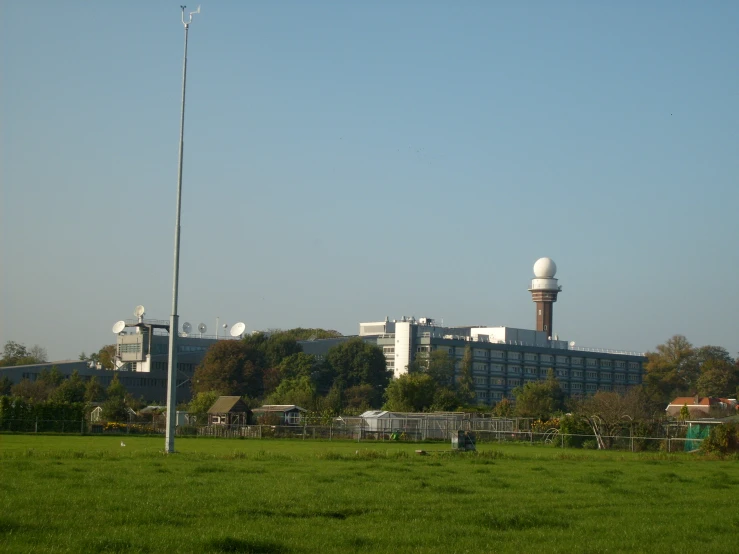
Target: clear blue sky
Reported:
[(347, 161)]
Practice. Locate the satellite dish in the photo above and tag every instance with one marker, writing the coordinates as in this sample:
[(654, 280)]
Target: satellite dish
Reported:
[(186, 327), (118, 363), (238, 329), (202, 328), (572, 343), (139, 311), (119, 326)]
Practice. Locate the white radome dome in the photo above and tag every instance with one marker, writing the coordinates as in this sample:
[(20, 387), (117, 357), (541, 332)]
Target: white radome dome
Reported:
[(545, 268)]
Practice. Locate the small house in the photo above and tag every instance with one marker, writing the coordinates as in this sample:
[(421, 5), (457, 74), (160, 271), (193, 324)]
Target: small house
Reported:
[(229, 410), (280, 414)]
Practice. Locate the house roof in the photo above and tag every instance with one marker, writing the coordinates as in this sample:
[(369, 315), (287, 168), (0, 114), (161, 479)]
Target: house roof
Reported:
[(228, 404), (279, 408), (698, 401)]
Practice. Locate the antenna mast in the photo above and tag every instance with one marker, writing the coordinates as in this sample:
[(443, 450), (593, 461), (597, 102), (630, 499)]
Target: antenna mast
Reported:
[(173, 319)]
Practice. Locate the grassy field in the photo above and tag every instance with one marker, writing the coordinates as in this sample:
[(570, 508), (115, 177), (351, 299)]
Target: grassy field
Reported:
[(90, 494)]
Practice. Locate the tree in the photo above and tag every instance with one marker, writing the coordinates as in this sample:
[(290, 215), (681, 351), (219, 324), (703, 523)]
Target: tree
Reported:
[(38, 353), (201, 403), (116, 389), (51, 378), (297, 365), (684, 413), (15, 353), (608, 412), (719, 374), (106, 356), (114, 409), (445, 400), (358, 398), (232, 368), (355, 362), (539, 399), (438, 364), (5, 385), (300, 334), (670, 371), (71, 390), (35, 391), (412, 392), (300, 391), (503, 409), (716, 379), (465, 383), (94, 391)]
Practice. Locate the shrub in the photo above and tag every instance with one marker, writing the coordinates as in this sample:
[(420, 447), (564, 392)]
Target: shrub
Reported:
[(570, 425), (723, 439)]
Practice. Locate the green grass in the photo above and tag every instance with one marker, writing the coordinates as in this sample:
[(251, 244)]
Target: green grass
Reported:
[(89, 494)]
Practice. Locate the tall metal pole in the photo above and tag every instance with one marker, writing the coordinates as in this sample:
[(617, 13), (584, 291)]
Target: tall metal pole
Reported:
[(173, 318)]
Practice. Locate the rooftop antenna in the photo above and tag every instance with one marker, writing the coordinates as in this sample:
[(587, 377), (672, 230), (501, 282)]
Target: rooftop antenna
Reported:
[(186, 328), (173, 319), (202, 328), (119, 327)]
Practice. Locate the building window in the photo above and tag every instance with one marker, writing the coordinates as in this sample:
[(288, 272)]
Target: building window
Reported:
[(576, 386), (480, 381), (530, 370), (514, 382), (546, 358), (576, 361), (605, 376), (591, 374), (496, 368), (514, 355), (577, 373), (498, 354), (530, 357), (591, 387), (620, 364), (388, 349), (590, 362), (606, 363), (514, 369), (561, 373), (620, 378)]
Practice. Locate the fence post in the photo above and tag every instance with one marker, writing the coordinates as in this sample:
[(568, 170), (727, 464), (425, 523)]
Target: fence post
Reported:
[(563, 439), (82, 426), (36, 427), (331, 432)]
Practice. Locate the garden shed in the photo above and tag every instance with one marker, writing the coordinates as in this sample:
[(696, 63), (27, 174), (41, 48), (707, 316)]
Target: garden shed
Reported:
[(280, 414), (229, 410)]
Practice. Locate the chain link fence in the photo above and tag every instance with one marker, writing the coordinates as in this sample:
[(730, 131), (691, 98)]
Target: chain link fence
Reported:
[(674, 438)]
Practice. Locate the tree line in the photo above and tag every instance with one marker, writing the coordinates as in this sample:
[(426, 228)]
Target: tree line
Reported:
[(272, 368)]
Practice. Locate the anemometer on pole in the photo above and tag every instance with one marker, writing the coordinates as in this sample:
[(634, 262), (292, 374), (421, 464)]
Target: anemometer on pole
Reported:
[(173, 325)]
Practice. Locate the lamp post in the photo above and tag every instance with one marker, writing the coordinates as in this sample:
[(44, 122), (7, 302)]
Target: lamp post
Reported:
[(173, 318)]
